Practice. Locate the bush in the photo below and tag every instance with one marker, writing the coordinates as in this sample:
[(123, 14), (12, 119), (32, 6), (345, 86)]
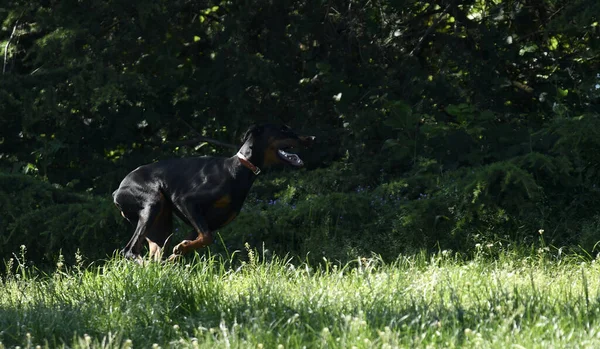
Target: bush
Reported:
[(352, 208), (48, 221)]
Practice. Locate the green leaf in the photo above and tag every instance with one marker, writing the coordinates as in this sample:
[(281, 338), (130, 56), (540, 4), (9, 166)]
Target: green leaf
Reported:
[(400, 115), (324, 67), (528, 49), (463, 112), (562, 93), (553, 45), (487, 115), (389, 143), (453, 110)]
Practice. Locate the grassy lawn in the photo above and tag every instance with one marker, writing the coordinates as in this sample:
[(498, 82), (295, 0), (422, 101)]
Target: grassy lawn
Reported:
[(418, 301)]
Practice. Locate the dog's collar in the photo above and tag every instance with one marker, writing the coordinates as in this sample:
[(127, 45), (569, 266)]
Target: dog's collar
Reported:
[(248, 164)]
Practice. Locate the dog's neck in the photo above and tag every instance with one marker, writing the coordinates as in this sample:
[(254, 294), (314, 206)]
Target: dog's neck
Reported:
[(249, 159), (247, 163)]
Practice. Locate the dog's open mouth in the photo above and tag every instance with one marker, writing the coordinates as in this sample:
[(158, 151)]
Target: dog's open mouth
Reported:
[(290, 158)]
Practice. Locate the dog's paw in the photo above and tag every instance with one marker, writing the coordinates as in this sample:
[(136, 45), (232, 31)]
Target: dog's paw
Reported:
[(130, 255), (180, 248)]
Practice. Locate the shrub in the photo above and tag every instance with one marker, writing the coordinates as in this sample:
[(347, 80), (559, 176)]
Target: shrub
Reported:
[(49, 220)]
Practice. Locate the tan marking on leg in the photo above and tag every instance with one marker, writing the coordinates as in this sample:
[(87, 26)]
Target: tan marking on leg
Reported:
[(203, 239), (155, 250)]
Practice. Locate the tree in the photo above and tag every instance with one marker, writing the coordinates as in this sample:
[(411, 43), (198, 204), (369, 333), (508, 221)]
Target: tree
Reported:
[(480, 98)]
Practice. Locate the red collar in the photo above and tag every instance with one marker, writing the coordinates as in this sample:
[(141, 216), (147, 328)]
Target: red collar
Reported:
[(248, 164)]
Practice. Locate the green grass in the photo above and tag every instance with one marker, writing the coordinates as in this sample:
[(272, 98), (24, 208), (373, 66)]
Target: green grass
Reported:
[(417, 301)]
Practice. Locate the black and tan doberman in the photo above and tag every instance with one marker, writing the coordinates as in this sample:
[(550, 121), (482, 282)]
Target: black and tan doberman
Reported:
[(205, 192)]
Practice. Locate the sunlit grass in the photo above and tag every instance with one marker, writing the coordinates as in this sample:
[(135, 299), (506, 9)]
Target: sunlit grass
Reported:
[(417, 301)]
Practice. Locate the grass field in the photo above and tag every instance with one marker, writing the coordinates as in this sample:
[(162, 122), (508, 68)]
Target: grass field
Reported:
[(509, 301)]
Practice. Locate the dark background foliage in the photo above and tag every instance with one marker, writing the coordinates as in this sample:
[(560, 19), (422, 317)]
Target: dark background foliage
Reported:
[(441, 124)]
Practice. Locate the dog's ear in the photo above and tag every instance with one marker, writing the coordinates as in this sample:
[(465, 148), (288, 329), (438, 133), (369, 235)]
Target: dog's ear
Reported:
[(253, 130)]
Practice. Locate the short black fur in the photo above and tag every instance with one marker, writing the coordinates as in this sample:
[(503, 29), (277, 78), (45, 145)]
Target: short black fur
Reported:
[(205, 192)]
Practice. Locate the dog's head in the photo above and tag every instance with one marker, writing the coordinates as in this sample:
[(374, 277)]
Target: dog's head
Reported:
[(277, 143)]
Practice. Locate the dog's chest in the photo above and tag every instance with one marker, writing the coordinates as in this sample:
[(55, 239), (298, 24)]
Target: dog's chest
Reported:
[(222, 211)]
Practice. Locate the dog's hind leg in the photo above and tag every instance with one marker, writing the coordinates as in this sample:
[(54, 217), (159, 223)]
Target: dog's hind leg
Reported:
[(159, 232), (147, 217)]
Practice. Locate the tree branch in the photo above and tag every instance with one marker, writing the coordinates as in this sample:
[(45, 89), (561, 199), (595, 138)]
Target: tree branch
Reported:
[(12, 35), (521, 86), (200, 139), (429, 30)]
